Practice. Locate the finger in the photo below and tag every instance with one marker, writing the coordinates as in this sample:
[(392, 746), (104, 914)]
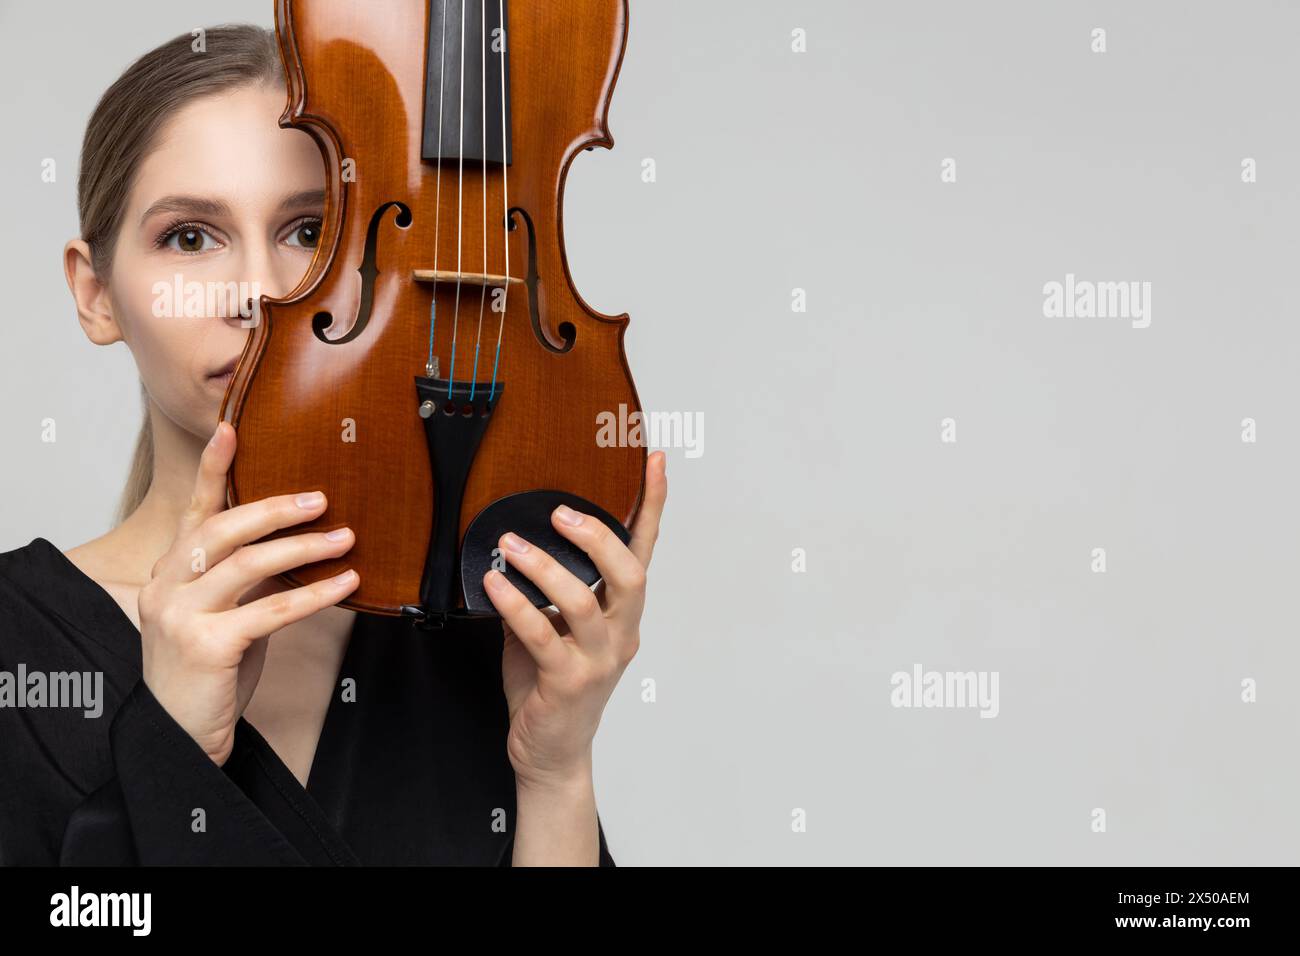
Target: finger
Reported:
[(234, 577), (580, 608), (620, 569), (209, 495), (267, 615), (645, 529), (222, 534), (530, 626)]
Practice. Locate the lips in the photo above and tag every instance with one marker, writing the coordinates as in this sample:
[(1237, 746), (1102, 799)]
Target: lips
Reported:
[(226, 370)]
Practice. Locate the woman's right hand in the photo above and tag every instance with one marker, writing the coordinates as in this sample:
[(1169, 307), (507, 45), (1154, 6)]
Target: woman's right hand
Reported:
[(203, 651)]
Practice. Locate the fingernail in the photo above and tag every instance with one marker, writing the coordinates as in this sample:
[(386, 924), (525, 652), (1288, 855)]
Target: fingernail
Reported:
[(338, 534), (345, 578), (213, 439), (311, 499), (568, 515), (492, 580), (515, 543)]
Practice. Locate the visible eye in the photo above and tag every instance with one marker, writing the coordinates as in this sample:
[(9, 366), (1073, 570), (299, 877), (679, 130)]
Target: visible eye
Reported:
[(188, 239), (305, 233)]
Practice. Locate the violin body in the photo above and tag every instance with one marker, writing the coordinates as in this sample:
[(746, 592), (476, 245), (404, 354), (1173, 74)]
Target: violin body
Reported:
[(436, 365)]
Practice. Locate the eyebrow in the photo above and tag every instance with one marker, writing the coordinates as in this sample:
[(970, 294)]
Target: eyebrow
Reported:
[(199, 206)]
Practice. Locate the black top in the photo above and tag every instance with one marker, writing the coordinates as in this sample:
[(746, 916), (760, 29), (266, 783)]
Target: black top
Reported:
[(414, 771)]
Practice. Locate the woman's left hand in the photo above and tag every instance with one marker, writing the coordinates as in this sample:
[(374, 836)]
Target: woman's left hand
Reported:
[(558, 671)]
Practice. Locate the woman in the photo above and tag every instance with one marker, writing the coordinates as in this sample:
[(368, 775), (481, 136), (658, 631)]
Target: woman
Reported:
[(242, 721)]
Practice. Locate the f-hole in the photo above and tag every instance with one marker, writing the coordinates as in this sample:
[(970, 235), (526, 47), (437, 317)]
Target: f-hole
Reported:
[(567, 332), (369, 272)]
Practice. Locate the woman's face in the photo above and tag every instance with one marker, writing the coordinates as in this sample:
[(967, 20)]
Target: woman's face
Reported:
[(226, 196)]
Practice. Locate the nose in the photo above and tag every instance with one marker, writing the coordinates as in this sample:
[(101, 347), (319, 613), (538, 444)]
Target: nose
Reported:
[(264, 270)]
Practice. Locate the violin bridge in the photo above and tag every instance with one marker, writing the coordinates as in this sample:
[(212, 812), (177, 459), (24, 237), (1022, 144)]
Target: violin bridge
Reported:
[(464, 278)]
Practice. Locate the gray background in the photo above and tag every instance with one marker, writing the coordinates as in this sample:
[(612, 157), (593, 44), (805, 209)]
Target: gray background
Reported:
[(821, 171)]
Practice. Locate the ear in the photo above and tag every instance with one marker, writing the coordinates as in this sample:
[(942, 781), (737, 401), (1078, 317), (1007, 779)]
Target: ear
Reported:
[(94, 307)]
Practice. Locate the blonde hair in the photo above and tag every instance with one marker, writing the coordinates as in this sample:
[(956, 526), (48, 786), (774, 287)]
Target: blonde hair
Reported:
[(121, 133)]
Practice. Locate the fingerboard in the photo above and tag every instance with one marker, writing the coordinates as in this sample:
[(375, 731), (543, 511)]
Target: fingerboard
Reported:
[(467, 54)]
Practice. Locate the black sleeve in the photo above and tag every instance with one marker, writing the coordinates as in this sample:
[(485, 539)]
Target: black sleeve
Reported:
[(507, 855), (146, 814)]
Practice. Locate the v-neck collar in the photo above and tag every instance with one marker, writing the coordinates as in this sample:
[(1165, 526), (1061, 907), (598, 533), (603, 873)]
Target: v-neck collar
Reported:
[(113, 619), (273, 787), (109, 617)]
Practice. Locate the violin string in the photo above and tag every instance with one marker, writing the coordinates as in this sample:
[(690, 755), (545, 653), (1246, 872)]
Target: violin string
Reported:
[(437, 213), (482, 297), (460, 206), (505, 198)]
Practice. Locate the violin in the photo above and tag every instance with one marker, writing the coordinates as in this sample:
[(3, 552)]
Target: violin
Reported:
[(436, 374)]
